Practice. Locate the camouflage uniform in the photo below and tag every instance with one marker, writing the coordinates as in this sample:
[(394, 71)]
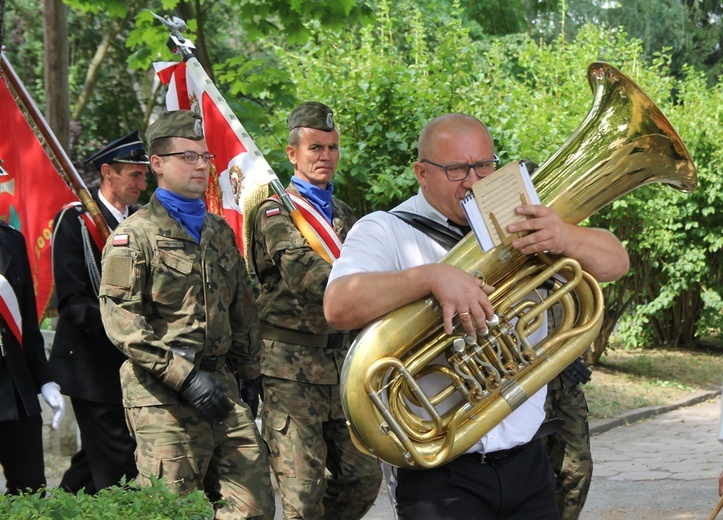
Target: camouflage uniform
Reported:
[(569, 449), (302, 418), (164, 300)]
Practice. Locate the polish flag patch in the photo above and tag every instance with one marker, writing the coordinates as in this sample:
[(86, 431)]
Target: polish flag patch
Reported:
[(121, 240), (273, 211)]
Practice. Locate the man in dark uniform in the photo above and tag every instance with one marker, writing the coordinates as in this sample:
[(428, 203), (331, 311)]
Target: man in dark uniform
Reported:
[(24, 370), (84, 361), (303, 422)]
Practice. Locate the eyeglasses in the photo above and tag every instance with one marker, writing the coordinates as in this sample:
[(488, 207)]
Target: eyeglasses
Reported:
[(191, 157), (459, 172)]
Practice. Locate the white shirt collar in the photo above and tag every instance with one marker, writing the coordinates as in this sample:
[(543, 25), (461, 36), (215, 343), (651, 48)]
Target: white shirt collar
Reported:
[(114, 211)]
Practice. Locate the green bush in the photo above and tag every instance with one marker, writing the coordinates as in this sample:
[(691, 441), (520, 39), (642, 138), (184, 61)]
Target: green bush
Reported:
[(154, 502)]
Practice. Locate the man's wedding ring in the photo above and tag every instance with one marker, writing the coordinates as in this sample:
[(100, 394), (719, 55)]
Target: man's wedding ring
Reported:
[(463, 314)]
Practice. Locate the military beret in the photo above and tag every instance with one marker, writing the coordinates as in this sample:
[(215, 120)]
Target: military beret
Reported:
[(176, 123), (127, 149), (311, 115)]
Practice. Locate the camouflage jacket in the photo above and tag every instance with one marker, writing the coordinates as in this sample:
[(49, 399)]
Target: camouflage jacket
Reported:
[(160, 289), (292, 279)]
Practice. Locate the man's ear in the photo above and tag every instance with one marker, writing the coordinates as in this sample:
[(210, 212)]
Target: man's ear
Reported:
[(156, 164), (105, 171), (291, 154), (421, 173)]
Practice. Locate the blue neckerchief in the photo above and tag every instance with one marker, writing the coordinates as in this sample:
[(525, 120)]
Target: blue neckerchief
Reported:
[(188, 212), (319, 198)]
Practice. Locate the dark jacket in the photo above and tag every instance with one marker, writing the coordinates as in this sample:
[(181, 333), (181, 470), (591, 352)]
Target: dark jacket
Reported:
[(23, 369), (84, 361)]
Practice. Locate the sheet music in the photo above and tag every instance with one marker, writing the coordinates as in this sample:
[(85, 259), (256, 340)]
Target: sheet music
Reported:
[(495, 197)]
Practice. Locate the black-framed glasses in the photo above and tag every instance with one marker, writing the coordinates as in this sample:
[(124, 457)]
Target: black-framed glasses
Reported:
[(190, 157), (459, 172)]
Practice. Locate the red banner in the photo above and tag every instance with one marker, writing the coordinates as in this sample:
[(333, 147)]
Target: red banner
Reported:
[(31, 191)]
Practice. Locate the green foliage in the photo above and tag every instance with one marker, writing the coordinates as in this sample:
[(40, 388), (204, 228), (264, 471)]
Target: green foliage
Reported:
[(387, 68), (532, 95), (154, 502), (682, 237), (114, 8), (263, 17)]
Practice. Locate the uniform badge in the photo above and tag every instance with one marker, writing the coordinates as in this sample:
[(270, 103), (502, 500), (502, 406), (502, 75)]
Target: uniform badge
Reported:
[(169, 244), (272, 212), (121, 240)]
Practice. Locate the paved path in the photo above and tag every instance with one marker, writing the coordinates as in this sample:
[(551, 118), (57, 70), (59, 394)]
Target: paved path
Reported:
[(664, 467)]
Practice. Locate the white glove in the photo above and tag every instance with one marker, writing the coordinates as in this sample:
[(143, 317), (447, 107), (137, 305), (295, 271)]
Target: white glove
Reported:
[(51, 394)]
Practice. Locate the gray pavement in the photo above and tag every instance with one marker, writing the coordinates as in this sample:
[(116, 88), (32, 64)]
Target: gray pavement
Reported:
[(662, 467)]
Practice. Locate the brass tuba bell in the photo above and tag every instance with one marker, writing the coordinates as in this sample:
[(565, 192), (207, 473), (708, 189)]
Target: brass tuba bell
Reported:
[(624, 142)]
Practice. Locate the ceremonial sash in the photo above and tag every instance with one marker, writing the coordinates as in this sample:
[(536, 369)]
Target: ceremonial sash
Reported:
[(90, 225), (326, 234), (10, 310)]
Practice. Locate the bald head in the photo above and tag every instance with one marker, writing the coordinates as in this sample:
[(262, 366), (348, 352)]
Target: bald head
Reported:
[(456, 124)]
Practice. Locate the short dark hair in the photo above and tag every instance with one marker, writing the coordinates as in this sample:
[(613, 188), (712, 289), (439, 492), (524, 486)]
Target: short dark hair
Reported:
[(162, 145)]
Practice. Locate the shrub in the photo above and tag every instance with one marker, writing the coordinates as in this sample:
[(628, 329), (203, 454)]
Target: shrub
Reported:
[(154, 502)]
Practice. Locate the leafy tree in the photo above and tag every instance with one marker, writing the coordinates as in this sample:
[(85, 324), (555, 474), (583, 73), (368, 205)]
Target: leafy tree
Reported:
[(690, 32), (532, 96), (388, 68)]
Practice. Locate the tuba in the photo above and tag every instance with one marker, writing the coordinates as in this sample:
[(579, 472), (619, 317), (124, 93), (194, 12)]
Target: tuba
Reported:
[(624, 142)]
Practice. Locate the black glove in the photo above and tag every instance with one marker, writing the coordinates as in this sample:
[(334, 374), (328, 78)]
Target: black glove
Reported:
[(205, 393), (250, 392)]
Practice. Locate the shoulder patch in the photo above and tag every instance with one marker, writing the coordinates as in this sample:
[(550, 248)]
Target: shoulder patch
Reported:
[(121, 240), (272, 212)]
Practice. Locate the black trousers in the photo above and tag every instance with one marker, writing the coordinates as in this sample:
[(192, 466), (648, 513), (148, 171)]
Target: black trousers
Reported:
[(21, 453), (519, 488), (108, 450)]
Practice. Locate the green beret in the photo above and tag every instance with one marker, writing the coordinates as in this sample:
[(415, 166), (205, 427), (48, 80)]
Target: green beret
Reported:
[(176, 123), (311, 115)]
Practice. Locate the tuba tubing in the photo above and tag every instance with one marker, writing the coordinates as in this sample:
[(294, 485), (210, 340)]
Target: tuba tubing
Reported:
[(624, 142)]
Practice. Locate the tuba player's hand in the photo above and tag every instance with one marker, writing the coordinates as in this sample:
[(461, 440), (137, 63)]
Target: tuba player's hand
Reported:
[(546, 231), (459, 293)]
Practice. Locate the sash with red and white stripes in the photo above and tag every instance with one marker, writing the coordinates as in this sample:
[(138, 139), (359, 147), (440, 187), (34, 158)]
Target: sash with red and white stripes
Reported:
[(90, 224), (10, 310), (328, 238)]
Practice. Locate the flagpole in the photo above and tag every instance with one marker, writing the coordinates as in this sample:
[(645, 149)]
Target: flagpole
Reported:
[(182, 46), (67, 170)]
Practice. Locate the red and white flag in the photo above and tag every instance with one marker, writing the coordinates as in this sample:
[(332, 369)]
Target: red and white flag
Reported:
[(31, 191), (243, 174)]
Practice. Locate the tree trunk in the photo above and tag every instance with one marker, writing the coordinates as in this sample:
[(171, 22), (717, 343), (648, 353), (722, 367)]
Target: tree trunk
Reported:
[(57, 97), (91, 77)]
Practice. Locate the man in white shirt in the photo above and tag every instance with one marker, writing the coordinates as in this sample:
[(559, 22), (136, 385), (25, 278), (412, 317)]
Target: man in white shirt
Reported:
[(386, 263)]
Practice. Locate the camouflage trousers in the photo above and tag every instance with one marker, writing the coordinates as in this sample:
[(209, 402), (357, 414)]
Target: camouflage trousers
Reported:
[(569, 449), (227, 459), (306, 431)]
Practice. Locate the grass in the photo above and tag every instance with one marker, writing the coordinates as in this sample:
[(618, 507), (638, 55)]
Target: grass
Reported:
[(628, 379)]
